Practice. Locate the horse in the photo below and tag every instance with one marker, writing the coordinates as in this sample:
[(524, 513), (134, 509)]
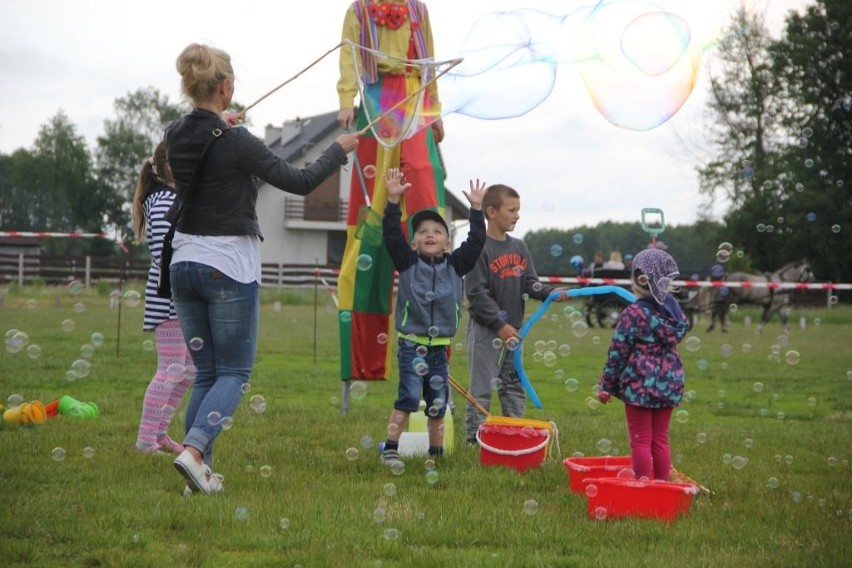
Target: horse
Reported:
[(772, 299)]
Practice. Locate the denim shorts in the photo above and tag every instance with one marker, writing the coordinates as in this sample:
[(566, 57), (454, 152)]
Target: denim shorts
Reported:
[(423, 374)]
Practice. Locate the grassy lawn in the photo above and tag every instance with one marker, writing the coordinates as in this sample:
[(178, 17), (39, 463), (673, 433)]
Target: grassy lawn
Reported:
[(766, 431)]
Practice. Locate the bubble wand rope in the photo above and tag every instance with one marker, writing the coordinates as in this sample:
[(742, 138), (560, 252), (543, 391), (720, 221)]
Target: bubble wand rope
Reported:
[(243, 112)]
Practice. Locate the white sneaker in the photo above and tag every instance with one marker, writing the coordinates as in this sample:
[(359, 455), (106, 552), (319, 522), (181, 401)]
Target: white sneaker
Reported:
[(196, 474), (214, 482)]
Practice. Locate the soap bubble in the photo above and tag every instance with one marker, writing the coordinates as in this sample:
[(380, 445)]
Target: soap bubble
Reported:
[(358, 390), (352, 454), (33, 351), (530, 507), (364, 262), (258, 403), (579, 328), (81, 368), (132, 298), (75, 287)]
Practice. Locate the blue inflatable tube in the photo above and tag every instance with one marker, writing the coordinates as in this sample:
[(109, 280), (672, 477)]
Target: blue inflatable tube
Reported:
[(542, 309)]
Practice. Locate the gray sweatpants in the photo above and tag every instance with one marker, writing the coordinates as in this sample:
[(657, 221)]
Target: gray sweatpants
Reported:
[(483, 360)]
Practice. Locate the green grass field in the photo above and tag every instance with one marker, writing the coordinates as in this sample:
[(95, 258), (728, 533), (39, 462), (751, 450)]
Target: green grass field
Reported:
[(758, 413)]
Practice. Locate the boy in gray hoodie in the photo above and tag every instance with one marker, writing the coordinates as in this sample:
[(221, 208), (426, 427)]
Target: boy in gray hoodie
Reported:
[(428, 307)]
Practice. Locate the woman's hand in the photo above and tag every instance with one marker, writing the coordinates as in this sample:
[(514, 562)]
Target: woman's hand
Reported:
[(349, 141)]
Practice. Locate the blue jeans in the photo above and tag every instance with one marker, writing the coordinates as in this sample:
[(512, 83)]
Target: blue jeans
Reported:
[(412, 385), (223, 314)]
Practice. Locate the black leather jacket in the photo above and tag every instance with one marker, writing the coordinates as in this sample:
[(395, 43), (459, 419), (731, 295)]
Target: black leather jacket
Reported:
[(225, 195)]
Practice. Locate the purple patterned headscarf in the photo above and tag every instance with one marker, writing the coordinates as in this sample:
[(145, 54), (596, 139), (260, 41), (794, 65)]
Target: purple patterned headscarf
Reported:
[(659, 268)]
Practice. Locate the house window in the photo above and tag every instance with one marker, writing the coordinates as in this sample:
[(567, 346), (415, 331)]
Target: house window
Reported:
[(323, 203), (336, 242)]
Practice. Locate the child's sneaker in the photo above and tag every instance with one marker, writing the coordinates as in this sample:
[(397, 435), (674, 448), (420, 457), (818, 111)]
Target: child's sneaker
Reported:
[(390, 457)]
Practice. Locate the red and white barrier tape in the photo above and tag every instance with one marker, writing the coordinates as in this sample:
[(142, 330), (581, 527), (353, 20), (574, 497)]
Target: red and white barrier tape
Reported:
[(584, 281), (44, 234)]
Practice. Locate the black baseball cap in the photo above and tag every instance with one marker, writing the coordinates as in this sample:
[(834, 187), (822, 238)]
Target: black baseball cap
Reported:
[(425, 214)]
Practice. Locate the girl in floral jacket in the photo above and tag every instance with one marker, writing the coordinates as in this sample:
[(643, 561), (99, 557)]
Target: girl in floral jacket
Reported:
[(643, 367)]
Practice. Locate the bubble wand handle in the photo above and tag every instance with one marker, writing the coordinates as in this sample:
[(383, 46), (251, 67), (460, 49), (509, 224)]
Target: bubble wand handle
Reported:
[(243, 112)]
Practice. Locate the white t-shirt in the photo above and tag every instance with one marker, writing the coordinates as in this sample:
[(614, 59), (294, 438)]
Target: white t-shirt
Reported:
[(236, 256)]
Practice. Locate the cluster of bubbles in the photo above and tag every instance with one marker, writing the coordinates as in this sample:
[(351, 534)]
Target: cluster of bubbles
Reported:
[(723, 254), (17, 340), (638, 64), (59, 454)]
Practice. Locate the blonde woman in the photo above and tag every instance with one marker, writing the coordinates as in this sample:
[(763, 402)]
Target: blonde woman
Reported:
[(215, 270)]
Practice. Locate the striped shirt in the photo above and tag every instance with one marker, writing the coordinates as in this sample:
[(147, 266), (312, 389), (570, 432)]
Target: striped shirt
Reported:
[(157, 204)]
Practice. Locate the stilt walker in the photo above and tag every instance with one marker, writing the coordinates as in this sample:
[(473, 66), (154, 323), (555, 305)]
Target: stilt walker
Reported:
[(393, 37)]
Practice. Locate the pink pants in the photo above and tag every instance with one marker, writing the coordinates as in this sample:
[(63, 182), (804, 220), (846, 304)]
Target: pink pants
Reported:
[(649, 441)]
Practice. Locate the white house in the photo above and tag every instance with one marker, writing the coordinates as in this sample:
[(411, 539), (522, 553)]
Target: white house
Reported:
[(312, 230)]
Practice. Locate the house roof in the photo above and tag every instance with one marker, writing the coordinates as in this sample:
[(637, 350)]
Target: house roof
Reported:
[(314, 129)]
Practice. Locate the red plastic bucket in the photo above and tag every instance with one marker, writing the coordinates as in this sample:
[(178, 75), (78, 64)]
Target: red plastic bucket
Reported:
[(580, 469), (516, 443), (609, 497)]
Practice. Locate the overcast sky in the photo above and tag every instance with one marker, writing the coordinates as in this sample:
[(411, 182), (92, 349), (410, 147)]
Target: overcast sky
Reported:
[(571, 165)]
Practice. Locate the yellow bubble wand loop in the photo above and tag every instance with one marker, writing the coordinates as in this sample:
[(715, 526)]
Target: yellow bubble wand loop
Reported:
[(450, 64)]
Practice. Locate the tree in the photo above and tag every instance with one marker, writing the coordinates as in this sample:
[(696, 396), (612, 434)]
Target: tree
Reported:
[(694, 246), (52, 187), (813, 68), (130, 138), (746, 109)]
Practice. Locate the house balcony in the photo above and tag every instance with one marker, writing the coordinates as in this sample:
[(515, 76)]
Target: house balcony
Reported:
[(318, 215)]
